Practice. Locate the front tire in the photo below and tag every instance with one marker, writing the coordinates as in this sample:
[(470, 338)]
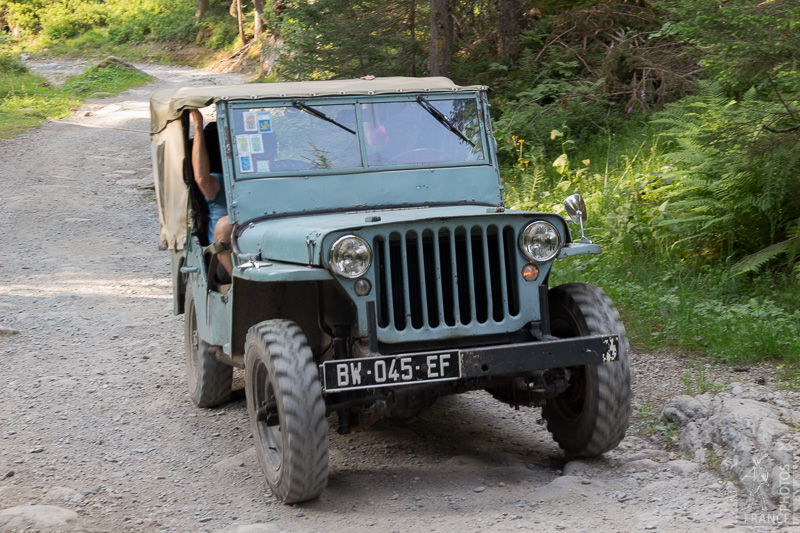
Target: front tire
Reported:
[(287, 413), (210, 381), (592, 415)]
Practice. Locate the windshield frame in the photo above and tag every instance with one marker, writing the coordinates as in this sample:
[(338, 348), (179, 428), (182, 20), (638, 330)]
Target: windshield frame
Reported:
[(226, 110)]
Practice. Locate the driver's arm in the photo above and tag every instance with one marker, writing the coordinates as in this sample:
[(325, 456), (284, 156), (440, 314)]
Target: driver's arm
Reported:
[(209, 186)]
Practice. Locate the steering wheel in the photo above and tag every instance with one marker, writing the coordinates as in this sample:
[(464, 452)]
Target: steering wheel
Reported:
[(417, 155)]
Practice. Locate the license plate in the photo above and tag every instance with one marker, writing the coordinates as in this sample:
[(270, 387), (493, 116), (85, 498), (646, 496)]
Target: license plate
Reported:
[(386, 371)]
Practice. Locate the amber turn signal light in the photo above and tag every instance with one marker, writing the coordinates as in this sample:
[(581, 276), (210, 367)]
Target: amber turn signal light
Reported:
[(530, 272)]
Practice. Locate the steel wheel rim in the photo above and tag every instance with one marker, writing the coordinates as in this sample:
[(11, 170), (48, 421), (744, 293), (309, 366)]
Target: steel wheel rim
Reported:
[(269, 435), (570, 404), (192, 348)]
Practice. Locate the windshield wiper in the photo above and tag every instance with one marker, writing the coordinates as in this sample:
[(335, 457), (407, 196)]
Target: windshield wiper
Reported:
[(443, 120), (319, 114)]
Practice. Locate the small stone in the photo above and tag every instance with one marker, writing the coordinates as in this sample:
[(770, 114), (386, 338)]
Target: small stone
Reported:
[(586, 481), (300, 514), (479, 489), (395, 496), (37, 449)]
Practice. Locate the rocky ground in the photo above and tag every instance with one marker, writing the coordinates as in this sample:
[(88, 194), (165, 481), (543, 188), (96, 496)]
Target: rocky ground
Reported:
[(97, 431)]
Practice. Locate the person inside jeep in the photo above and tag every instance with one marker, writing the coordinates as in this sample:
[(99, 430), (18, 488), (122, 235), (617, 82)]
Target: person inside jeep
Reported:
[(207, 168)]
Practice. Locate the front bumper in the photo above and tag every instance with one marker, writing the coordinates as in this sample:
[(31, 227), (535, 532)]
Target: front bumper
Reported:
[(467, 363)]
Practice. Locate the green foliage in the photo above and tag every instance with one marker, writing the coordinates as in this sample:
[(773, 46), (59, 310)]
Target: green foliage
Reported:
[(744, 43), (11, 65), (738, 190), (346, 38), (667, 306), (22, 15), (163, 21), (217, 36), (68, 18)]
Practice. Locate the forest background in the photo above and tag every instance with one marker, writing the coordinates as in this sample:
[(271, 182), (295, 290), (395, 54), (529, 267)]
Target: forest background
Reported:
[(678, 121)]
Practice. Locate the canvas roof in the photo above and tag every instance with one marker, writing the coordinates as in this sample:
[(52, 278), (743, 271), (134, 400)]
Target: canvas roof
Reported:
[(169, 104)]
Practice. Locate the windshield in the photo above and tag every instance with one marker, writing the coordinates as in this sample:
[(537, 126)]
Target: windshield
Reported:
[(305, 135)]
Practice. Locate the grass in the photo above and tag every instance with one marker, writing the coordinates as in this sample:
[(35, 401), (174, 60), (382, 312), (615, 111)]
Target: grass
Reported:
[(653, 424), (701, 311), (696, 381), (112, 79), (670, 298), (27, 100)]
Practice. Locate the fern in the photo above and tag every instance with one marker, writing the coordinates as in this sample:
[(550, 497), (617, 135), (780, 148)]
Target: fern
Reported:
[(790, 248), (737, 187)]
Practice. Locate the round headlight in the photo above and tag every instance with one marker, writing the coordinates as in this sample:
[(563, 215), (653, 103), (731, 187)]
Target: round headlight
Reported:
[(350, 256), (540, 241)]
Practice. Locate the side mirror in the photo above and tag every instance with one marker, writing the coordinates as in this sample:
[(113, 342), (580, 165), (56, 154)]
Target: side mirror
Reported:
[(576, 211)]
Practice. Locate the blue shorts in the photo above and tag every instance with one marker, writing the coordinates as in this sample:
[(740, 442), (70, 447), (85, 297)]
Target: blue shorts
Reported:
[(217, 207)]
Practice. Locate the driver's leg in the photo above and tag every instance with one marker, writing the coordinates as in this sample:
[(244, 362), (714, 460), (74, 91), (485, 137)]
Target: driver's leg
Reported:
[(222, 233)]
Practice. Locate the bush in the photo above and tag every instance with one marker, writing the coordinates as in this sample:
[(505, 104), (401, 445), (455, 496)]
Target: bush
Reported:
[(217, 36), (61, 20), (174, 27), (134, 30), (11, 65)]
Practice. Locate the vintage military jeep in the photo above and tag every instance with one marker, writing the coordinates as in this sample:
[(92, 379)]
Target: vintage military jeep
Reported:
[(376, 269)]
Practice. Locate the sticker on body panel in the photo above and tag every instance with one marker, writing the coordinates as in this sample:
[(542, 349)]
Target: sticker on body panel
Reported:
[(371, 372)]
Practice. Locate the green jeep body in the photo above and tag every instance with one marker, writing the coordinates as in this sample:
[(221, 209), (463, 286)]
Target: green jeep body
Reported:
[(376, 269)]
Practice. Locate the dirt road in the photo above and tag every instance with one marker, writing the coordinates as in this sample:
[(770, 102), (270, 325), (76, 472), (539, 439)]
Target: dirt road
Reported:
[(97, 431)]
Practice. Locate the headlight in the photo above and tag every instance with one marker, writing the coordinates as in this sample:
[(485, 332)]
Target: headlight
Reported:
[(350, 256), (540, 241)]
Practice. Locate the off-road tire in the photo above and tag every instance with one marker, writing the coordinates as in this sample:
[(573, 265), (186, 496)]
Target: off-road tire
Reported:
[(592, 416), (210, 381), (292, 450)]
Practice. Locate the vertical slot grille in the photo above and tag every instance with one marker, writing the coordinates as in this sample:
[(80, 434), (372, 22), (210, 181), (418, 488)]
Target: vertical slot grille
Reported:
[(454, 276)]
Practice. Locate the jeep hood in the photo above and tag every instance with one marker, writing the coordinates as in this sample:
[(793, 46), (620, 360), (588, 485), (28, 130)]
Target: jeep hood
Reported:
[(299, 239)]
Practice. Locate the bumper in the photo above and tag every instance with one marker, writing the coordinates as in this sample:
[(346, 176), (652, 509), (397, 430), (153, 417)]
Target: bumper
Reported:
[(468, 363)]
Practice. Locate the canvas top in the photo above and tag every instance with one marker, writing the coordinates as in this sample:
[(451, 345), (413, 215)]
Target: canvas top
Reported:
[(169, 104)]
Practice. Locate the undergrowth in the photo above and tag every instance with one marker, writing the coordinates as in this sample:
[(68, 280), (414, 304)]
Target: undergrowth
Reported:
[(704, 311)]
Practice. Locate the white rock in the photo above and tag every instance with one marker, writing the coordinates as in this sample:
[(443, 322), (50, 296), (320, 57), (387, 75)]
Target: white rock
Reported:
[(42, 517), (683, 467)]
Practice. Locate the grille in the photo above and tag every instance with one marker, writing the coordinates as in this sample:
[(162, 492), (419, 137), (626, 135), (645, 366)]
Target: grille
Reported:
[(445, 277)]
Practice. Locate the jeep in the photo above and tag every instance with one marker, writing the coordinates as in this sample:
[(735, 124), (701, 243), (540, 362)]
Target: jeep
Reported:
[(375, 269)]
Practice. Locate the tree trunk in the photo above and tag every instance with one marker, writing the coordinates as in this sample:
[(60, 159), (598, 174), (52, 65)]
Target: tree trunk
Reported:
[(240, 20), (258, 18), (511, 12), (272, 45), (200, 8), (441, 39), (412, 19)]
